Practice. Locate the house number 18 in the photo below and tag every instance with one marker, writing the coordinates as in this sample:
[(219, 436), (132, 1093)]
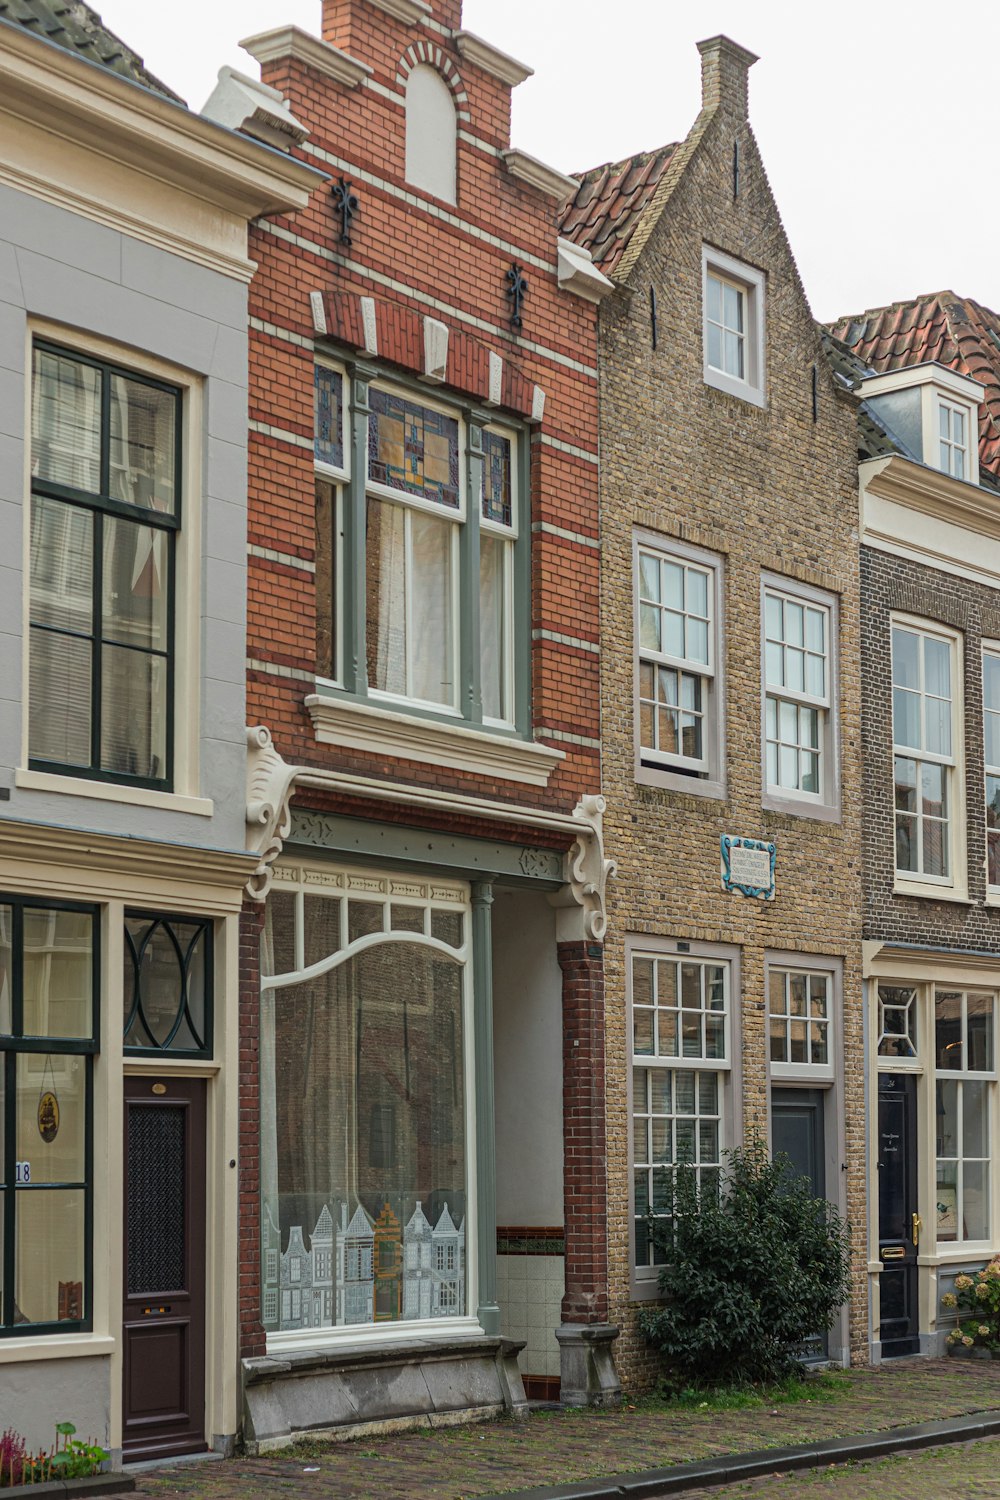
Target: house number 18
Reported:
[(22, 1172)]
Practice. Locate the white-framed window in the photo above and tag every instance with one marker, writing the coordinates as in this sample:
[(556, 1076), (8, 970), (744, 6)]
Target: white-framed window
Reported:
[(681, 1067), (953, 438), (799, 627), (424, 545), (927, 733), (800, 1022), (733, 326), (678, 649), (991, 760), (898, 1012), (965, 1067)]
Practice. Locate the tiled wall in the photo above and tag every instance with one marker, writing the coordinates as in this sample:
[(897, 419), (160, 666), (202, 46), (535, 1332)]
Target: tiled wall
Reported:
[(529, 1291)]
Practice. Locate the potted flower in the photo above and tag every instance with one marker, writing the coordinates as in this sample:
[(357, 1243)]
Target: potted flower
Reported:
[(978, 1298)]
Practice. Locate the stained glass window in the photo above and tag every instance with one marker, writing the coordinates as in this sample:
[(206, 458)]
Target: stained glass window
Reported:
[(497, 479), (329, 417), (414, 449)]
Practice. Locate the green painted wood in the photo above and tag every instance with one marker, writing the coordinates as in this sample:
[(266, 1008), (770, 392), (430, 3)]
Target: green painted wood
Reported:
[(522, 592), (472, 696), (486, 1179), (354, 570)]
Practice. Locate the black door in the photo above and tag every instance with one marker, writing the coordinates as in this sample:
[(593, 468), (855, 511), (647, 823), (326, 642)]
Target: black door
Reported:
[(164, 1292), (898, 1225), (797, 1132)]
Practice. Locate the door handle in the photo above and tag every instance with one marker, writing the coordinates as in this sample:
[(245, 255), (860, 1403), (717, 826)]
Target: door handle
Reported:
[(916, 1226)]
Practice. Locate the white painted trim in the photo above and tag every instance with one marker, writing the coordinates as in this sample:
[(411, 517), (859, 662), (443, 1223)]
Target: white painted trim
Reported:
[(286, 559), (753, 283), (301, 46), (537, 174), (346, 1340), (377, 731), (407, 11), (578, 274), (930, 372), (106, 791), (484, 55), (243, 103), (54, 1346)]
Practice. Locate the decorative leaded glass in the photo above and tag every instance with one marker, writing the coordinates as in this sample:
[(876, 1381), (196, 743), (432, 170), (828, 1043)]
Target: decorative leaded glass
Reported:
[(413, 449), (497, 479), (329, 441), (167, 985)]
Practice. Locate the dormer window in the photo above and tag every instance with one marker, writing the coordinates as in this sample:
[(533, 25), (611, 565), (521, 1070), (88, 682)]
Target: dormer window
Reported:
[(953, 445), (930, 413)]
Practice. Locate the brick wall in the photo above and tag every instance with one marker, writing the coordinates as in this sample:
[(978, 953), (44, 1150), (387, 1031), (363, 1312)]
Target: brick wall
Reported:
[(584, 1170), (764, 489), (893, 583)]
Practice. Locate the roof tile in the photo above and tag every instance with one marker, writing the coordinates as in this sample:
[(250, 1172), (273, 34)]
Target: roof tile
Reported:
[(603, 212), (72, 25)]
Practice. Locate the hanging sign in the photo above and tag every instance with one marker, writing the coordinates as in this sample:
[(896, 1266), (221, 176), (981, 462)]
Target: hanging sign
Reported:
[(48, 1117), (748, 866)]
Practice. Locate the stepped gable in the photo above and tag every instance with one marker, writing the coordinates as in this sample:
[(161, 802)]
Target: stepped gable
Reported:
[(952, 330), (603, 213), (76, 28)]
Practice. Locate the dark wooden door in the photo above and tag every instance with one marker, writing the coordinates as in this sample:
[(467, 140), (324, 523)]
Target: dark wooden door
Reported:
[(164, 1291), (797, 1132), (898, 1225)]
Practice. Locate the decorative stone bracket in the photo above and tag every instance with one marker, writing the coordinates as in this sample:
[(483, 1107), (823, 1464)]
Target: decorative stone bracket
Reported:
[(271, 783)]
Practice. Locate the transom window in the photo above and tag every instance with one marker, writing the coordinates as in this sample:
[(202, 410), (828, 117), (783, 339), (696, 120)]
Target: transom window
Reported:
[(105, 511), (953, 442), (680, 1064), (677, 650), (435, 518), (798, 693), (924, 752), (48, 1038), (991, 737), (799, 1013), (897, 1021), (168, 984), (964, 1045)]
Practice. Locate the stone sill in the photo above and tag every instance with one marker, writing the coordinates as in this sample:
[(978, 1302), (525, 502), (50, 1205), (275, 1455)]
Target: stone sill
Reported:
[(356, 1357)]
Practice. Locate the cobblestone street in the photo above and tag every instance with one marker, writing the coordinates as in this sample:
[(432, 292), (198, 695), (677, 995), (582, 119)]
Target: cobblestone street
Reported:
[(556, 1447), (962, 1471)]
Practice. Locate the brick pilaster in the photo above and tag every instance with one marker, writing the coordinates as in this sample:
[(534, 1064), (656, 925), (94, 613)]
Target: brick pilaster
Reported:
[(252, 1341), (584, 1157)]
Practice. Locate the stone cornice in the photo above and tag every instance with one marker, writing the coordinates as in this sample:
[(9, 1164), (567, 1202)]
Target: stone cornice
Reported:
[(407, 11), (301, 46), (917, 487), (578, 274), (484, 55), (536, 174)]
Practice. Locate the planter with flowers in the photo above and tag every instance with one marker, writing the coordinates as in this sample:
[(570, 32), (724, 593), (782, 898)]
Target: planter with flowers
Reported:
[(978, 1300)]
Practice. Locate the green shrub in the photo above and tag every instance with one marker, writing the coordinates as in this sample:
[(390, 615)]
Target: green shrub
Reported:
[(755, 1266)]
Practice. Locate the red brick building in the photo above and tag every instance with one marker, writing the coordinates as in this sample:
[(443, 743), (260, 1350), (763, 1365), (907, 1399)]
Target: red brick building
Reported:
[(424, 1047)]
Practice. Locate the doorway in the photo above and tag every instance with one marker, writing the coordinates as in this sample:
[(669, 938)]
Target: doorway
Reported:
[(164, 1268), (898, 1221), (797, 1131)]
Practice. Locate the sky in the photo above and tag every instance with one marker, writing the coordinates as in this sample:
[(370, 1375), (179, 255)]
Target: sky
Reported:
[(877, 122)]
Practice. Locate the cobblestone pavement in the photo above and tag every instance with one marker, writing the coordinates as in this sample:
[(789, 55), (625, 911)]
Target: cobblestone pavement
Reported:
[(962, 1471), (462, 1463)]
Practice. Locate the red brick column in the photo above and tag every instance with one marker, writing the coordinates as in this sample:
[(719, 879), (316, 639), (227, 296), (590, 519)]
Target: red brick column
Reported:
[(252, 1340), (584, 1143)]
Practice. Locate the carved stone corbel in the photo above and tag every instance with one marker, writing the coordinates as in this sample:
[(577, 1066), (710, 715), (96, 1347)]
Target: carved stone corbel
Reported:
[(581, 914), (270, 783)]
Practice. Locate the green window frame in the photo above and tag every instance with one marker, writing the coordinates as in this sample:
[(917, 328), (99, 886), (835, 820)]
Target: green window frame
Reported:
[(106, 497), (485, 683), (42, 972)]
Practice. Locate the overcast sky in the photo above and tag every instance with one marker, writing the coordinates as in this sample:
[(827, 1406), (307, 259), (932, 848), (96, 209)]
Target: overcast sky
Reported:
[(877, 119)]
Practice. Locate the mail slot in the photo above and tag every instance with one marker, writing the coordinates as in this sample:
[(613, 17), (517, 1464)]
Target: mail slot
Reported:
[(893, 1252), (155, 1311)]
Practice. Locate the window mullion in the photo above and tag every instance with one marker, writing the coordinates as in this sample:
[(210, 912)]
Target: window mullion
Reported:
[(96, 664), (355, 566), (470, 695)]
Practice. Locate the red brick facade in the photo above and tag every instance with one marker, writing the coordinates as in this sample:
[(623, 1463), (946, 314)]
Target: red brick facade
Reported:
[(419, 257)]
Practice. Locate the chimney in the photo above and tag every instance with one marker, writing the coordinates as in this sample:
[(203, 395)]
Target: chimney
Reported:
[(724, 68)]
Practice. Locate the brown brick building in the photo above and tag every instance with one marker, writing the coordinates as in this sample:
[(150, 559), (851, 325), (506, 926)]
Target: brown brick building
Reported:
[(929, 375), (422, 1114), (730, 692)]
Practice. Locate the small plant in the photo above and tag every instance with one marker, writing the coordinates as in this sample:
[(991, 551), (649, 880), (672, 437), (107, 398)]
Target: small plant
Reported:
[(66, 1459), (755, 1267), (979, 1298)]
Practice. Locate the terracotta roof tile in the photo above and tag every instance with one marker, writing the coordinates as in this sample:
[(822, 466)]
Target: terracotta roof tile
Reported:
[(603, 213), (75, 27), (954, 331)]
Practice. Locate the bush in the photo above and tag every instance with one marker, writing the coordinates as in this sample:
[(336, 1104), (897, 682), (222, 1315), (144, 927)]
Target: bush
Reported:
[(978, 1297), (755, 1266)]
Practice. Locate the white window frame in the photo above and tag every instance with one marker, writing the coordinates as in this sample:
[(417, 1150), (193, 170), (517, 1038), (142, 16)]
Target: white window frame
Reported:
[(954, 885), (952, 410), (809, 1073), (751, 284), (961, 1076), (645, 1279), (989, 649), (704, 777), (824, 804), (509, 535), (337, 479)]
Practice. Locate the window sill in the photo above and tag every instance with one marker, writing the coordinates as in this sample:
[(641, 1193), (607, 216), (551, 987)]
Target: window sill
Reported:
[(376, 731), (112, 791), (55, 1346), (818, 812), (676, 781), (931, 892), (741, 389)]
